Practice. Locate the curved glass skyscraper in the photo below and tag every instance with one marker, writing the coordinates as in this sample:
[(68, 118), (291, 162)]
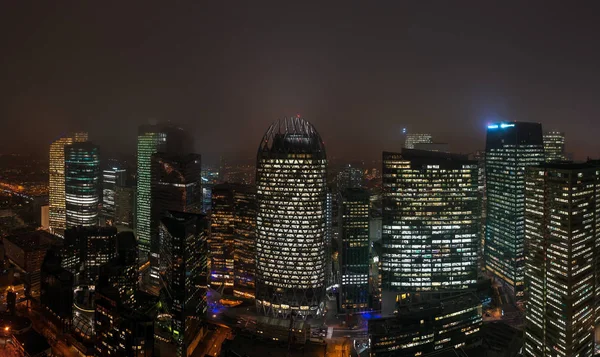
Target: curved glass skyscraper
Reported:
[(291, 195), (82, 184)]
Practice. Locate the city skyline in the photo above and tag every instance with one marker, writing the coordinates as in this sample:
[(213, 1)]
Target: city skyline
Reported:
[(393, 66)]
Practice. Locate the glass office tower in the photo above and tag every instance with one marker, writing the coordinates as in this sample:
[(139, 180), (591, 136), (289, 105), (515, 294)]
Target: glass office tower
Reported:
[(354, 252), (183, 274), (430, 225), (291, 194), (554, 146), (510, 148), (152, 139), (111, 179), (413, 139), (56, 179), (82, 184), (561, 214)]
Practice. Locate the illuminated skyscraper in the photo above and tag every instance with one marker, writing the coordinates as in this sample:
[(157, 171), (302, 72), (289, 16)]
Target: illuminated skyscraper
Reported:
[(291, 195), (510, 148), (349, 177), (175, 187), (412, 139), (554, 146), (152, 139), (244, 256), (111, 179), (57, 203), (232, 239), (82, 184), (430, 223), (221, 241), (561, 215), (354, 252), (183, 274)]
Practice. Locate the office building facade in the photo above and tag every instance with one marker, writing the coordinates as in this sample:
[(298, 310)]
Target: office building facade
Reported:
[(412, 139), (152, 139), (554, 146), (561, 214), (221, 243), (430, 225), (184, 274), (176, 185), (291, 196), (56, 182), (82, 184), (111, 179), (510, 148), (355, 250), (244, 264)]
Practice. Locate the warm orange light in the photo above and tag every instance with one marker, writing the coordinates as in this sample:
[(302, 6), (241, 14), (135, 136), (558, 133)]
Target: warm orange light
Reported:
[(6, 328)]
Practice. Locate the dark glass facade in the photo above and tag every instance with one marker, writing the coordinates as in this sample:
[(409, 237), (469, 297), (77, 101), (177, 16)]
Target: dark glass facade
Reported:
[(82, 184), (183, 242), (176, 185), (510, 148), (354, 251)]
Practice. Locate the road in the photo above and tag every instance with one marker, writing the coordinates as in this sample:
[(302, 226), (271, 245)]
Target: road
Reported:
[(59, 348), (211, 345)]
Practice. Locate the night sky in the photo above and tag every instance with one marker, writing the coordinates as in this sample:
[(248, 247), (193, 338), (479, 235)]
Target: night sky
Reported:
[(359, 71)]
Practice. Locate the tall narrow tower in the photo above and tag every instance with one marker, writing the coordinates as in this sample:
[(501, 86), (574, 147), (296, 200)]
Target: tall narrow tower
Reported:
[(82, 184), (57, 203), (164, 138), (291, 195), (510, 148)]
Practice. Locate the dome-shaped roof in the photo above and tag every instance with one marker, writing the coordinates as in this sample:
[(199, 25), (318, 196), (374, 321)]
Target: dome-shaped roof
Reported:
[(292, 135)]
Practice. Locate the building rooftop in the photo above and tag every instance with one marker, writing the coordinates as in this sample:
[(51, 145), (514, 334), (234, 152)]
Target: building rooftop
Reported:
[(33, 240), (32, 343)]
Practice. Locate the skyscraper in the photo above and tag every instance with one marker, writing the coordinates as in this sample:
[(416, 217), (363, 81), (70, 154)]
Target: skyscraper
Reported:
[(183, 273), (430, 225), (560, 262), (176, 186), (354, 252), (152, 139), (349, 177), (221, 241), (412, 139), (291, 195), (111, 179), (232, 239), (244, 264), (124, 201), (510, 148), (56, 191), (82, 184), (554, 146)]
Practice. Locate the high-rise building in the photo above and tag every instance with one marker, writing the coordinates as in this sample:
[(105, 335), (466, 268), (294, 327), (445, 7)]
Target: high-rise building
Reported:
[(152, 139), (560, 260), (244, 265), (221, 243), (176, 186), (120, 330), (291, 196), (554, 146), (412, 139), (56, 187), (354, 251), (232, 239), (99, 247), (121, 272), (430, 225), (430, 328), (111, 179), (57, 289), (124, 201), (183, 272), (82, 184), (510, 148), (349, 177)]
